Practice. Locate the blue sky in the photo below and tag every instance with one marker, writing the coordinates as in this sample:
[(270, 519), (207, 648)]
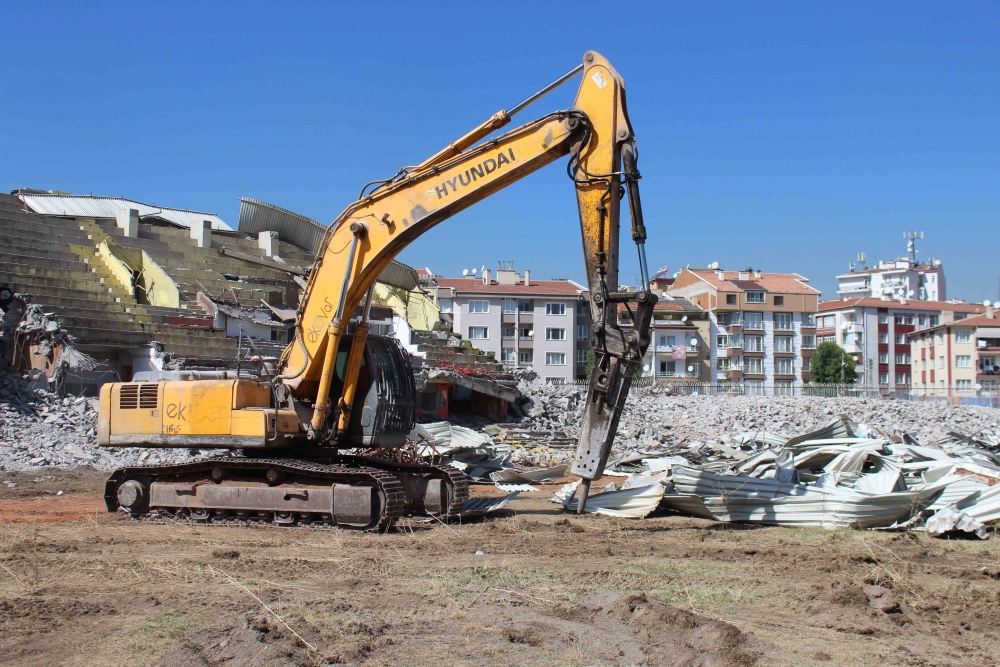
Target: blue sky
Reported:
[(783, 136)]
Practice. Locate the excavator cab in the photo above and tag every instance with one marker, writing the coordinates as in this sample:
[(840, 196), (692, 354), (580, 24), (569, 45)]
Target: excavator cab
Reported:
[(383, 409)]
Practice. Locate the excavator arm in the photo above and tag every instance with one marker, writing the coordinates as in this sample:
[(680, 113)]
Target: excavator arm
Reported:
[(360, 243)]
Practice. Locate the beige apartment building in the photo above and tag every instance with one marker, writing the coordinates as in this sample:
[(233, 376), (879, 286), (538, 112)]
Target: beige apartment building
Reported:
[(541, 325), (761, 326), (959, 358), (679, 341)]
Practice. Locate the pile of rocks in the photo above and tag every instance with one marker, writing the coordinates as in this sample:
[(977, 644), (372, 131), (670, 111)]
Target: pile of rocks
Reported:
[(654, 416), (39, 428)]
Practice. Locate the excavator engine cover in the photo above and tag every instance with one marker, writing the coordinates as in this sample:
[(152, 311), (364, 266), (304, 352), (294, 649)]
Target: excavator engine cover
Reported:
[(383, 410)]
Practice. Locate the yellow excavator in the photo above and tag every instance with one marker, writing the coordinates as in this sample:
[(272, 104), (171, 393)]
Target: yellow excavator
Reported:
[(338, 388)]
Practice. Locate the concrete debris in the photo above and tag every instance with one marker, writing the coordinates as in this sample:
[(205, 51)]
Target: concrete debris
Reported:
[(40, 428)]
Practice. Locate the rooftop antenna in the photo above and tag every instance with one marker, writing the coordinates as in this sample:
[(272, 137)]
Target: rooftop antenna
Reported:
[(911, 247)]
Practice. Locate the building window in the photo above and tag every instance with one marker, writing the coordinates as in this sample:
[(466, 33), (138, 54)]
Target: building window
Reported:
[(446, 305), (784, 366), (508, 355), (753, 343), (552, 333), (526, 356), (963, 385), (806, 363), (755, 387), (809, 342), (933, 320), (782, 343), (479, 306), (883, 378), (665, 342), (809, 319), (883, 318), (507, 332), (898, 319), (784, 388), (900, 339), (508, 306), (555, 309), (963, 361), (922, 320), (902, 378), (902, 358), (730, 299), (730, 319), (581, 357), (783, 321), (755, 297), (828, 339), (962, 337), (666, 369), (829, 321), (883, 357), (526, 333), (754, 365), (527, 306), (555, 380), (779, 300), (555, 358), (479, 333), (582, 332), (960, 316), (853, 337)]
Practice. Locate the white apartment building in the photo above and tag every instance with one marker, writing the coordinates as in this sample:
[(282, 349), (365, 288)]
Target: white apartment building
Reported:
[(761, 328), (876, 333), (959, 358), (542, 325), (898, 278)]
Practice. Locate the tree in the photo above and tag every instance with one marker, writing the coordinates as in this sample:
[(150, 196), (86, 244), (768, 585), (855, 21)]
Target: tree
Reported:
[(830, 364)]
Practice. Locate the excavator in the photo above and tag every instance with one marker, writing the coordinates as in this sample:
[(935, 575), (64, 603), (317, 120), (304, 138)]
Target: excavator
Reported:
[(294, 432)]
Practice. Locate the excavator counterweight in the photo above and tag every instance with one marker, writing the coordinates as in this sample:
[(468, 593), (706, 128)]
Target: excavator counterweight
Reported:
[(339, 388)]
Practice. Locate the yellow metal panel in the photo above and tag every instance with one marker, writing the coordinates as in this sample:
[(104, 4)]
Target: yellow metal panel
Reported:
[(132, 420), (254, 422), (249, 422), (248, 394), (197, 408)]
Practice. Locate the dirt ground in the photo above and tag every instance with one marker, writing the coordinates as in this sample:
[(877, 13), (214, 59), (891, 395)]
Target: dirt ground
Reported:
[(78, 587)]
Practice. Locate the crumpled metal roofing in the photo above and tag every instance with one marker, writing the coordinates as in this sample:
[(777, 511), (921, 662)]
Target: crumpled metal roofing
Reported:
[(748, 499), (88, 206)]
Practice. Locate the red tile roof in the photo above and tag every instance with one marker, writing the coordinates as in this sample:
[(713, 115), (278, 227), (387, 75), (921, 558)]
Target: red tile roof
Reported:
[(537, 287), (780, 283), (871, 302)]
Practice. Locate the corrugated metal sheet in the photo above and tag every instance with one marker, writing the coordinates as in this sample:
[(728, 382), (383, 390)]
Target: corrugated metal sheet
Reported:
[(83, 206), (738, 498), (258, 216), (477, 506)]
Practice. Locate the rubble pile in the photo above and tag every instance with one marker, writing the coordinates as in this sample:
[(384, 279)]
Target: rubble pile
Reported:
[(40, 428), (655, 416)]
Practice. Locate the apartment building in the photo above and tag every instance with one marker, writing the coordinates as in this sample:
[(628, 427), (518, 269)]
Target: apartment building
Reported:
[(874, 332), (678, 341), (897, 278), (958, 358), (542, 325), (761, 329)]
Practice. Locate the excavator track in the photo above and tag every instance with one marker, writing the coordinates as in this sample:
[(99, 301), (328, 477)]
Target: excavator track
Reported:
[(286, 492), (456, 481), (132, 493)]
